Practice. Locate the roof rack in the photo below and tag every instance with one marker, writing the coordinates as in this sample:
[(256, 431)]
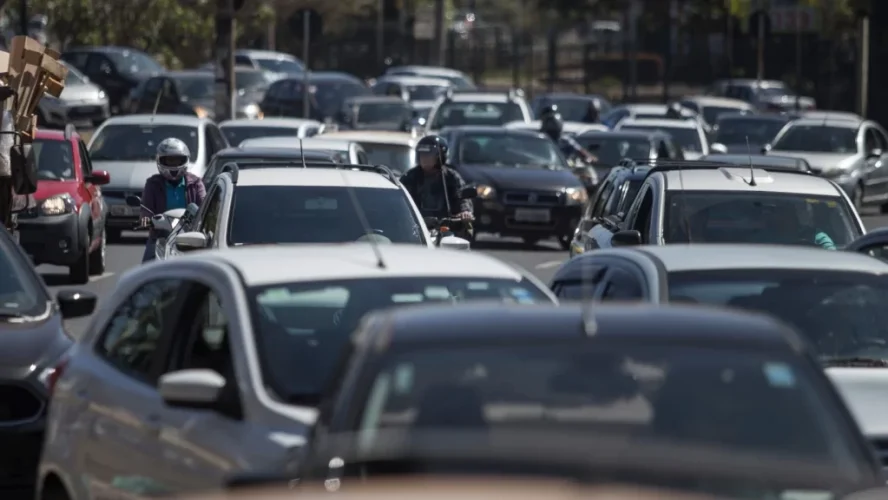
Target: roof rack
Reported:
[(674, 167), (234, 169)]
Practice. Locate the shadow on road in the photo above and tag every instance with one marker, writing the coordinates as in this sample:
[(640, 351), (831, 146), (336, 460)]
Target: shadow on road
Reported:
[(55, 279), (130, 240), (512, 246)]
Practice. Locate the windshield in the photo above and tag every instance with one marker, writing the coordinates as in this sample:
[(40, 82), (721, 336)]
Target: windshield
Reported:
[(202, 87), (818, 139), (514, 150), (688, 139), (250, 80), (131, 142), (74, 77), (737, 130), (302, 327), (425, 92), (397, 158), (611, 149), (236, 135), (55, 159), (843, 314), (383, 112), (454, 114), (711, 113), (20, 292), (731, 399), (302, 214), (770, 218), (132, 62), (329, 96), (280, 65)]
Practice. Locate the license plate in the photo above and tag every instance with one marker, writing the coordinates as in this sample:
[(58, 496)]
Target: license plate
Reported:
[(532, 215), (123, 211)]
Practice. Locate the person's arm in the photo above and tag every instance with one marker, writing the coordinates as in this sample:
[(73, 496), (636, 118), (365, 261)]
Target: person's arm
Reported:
[(824, 241), (408, 180), (454, 185), (201, 192), (149, 199)]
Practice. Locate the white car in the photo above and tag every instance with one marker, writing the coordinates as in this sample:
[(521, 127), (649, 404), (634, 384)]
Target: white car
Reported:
[(459, 79), (300, 205), (420, 91), (396, 150), (350, 151), (237, 131), (710, 107), (276, 64), (687, 134), (570, 128), (455, 109), (202, 367)]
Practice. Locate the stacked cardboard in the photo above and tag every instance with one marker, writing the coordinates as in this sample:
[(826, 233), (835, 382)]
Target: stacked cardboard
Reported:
[(30, 70)]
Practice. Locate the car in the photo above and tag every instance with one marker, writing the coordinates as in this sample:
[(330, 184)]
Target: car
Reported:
[(573, 107), (639, 111), (571, 129), (525, 186), (611, 147), (625, 374), (822, 114), (759, 160), (327, 91), (458, 79), (276, 65), (710, 108), (33, 339), (455, 109), (850, 152), (67, 225), (193, 92), (608, 205), (266, 157), (376, 113), (117, 70), (301, 205), (420, 91), (81, 102), (126, 147), (740, 133), (699, 202), (767, 95), (396, 150), (268, 323), (347, 151), (688, 134), (239, 130)]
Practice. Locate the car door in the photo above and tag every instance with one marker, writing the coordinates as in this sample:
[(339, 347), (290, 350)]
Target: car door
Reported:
[(121, 450), (875, 172), (92, 193), (149, 95)]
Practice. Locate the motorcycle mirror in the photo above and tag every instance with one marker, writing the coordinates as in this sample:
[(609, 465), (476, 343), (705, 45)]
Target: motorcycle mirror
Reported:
[(133, 201), (430, 221)]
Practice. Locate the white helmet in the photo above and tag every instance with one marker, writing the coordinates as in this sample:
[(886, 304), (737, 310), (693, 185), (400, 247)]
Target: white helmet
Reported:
[(172, 158)]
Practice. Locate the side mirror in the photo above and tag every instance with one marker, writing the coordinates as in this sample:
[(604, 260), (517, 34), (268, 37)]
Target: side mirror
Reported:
[(718, 148), (197, 389), (874, 154), (162, 225), (188, 242), (626, 238), (76, 304), (468, 193), (134, 201), (766, 148), (99, 178), (455, 243)]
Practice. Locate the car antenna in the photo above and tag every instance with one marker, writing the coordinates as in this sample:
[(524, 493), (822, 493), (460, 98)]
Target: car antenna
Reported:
[(751, 169), (157, 102), (302, 154), (362, 218)]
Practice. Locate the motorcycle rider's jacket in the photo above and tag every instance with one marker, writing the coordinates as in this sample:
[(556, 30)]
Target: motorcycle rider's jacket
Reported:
[(436, 195)]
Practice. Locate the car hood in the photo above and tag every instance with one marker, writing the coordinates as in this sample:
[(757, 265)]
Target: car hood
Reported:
[(127, 174), (743, 149), (31, 343), (45, 189), (536, 178), (822, 163), (81, 92), (865, 391)]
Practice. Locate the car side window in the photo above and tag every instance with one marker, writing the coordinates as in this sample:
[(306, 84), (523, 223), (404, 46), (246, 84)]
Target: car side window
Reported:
[(243, 61), (202, 336), (621, 284), (152, 89), (76, 59), (872, 140), (642, 220), (691, 105), (211, 216), (606, 192), (85, 163), (220, 139), (97, 64), (131, 340)]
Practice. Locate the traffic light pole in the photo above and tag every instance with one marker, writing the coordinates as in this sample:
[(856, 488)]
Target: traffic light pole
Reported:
[(224, 91), (23, 17)]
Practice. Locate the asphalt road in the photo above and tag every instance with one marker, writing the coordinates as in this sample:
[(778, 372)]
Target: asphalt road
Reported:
[(541, 260)]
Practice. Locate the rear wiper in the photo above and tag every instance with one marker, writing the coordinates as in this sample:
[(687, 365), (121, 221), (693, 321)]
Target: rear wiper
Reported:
[(858, 361)]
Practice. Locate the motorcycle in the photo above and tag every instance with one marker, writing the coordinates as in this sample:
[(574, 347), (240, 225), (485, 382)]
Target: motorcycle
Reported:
[(442, 232), (163, 224)]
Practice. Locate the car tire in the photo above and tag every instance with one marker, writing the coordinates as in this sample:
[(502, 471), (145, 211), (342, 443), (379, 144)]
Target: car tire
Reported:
[(113, 234), (97, 257), (78, 274)]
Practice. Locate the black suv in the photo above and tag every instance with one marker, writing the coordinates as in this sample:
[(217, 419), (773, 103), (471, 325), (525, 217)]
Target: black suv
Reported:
[(118, 70)]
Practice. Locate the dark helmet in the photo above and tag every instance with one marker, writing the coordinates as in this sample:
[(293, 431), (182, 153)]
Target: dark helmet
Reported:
[(432, 144), (551, 122)]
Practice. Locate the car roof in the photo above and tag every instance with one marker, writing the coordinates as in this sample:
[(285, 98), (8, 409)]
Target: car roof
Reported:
[(754, 116), (264, 54), (727, 257), (644, 108), (295, 123), (429, 70), (276, 153), (830, 115), (618, 134), (148, 119), (267, 265), (659, 122), (708, 100), (842, 122), (372, 136), (205, 72), (490, 130), (414, 80), (481, 96), (736, 179), (314, 176), (376, 98), (291, 142), (52, 134), (569, 127), (758, 160), (476, 322)]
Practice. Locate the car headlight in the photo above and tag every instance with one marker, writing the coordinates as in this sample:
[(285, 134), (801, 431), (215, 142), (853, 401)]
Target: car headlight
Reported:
[(57, 205), (576, 196), (252, 111), (486, 192), (101, 94)]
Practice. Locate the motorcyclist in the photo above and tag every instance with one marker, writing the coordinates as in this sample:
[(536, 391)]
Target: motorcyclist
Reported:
[(552, 125), (592, 114), (170, 188), (434, 185)]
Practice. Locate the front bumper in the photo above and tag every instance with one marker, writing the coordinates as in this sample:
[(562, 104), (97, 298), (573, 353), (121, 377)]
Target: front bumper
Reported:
[(526, 220), (52, 239)]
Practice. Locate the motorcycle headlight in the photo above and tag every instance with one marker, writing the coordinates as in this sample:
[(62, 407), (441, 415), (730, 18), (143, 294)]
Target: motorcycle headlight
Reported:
[(486, 192), (576, 196), (57, 205)]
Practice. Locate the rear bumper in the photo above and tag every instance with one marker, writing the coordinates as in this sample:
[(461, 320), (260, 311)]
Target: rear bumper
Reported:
[(52, 239)]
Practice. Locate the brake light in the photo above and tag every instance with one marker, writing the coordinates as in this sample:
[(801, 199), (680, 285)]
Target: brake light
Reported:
[(50, 376)]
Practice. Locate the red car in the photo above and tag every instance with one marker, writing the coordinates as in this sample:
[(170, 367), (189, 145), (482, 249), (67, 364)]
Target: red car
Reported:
[(67, 227)]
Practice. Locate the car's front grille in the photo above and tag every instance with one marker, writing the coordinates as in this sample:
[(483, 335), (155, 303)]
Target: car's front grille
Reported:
[(544, 198), (19, 404)]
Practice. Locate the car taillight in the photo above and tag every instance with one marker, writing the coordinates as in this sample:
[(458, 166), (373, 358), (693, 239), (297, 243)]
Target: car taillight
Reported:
[(50, 376)]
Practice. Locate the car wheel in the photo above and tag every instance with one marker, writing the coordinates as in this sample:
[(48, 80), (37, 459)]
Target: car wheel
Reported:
[(530, 241), (113, 234), (97, 257), (78, 273)]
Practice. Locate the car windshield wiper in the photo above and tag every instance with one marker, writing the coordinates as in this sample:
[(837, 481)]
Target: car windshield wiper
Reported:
[(854, 361)]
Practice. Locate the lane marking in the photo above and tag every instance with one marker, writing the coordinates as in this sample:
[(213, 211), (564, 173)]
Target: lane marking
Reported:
[(549, 264), (93, 279)]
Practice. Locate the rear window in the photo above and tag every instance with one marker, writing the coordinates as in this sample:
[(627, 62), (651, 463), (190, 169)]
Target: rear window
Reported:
[(20, 292), (55, 159), (609, 150), (236, 135), (454, 114), (126, 142), (740, 129), (688, 139)]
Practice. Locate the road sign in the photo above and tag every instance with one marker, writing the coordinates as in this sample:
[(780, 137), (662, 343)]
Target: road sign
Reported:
[(315, 24)]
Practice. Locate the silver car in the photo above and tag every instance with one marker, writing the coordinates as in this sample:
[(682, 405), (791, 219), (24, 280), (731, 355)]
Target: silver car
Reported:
[(81, 102)]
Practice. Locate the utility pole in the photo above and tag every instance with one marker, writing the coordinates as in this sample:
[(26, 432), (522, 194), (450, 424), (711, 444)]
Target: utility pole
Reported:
[(271, 29), (760, 48), (306, 41), (863, 65), (224, 87), (23, 17), (438, 47), (380, 33), (798, 54), (634, 12)]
